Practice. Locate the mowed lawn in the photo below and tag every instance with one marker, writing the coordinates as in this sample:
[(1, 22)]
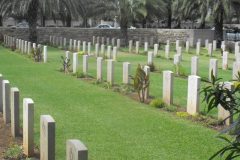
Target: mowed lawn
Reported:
[(112, 126)]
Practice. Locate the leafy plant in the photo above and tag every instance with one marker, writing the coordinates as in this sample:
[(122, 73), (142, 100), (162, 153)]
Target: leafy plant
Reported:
[(179, 70), (158, 103), (66, 64), (141, 83), (216, 94), (14, 152), (152, 67), (80, 75), (37, 54)]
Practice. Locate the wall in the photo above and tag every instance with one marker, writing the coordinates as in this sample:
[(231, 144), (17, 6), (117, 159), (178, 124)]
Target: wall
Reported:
[(157, 35)]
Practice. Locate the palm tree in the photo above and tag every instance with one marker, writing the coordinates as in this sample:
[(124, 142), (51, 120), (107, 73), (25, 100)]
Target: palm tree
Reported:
[(220, 10), (32, 8)]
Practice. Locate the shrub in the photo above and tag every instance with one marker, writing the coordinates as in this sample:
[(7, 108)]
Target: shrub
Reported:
[(80, 75), (141, 83), (152, 67), (14, 152), (179, 70), (158, 103), (170, 108), (37, 54), (66, 64), (183, 114)]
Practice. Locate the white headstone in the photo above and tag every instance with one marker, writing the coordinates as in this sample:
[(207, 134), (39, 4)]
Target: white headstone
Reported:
[(75, 45), (115, 53), (29, 48), (110, 72), (84, 47), (97, 49), (177, 59), (85, 64), (75, 62), (193, 95), (214, 45), (99, 68), (145, 46), (236, 70), (70, 45), (187, 46), (147, 71), (137, 47), (15, 112), (109, 55), (130, 46), (168, 87), (198, 48), (1, 93), (47, 137), (155, 50), (79, 46), (194, 65), (225, 61), (167, 51), (89, 48), (213, 68), (28, 127), (126, 72), (210, 50), (6, 101), (206, 43), (150, 58), (103, 50), (45, 55), (118, 43), (76, 150)]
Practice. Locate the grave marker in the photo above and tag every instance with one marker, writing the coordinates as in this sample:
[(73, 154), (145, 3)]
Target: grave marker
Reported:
[(126, 72), (193, 95), (76, 150), (28, 127), (47, 137), (168, 87)]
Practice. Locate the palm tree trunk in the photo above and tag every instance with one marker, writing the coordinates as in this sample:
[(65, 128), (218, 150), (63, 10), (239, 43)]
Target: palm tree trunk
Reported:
[(169, 14), (203, 25), (1, 20), (218, 23), (124, 31), (32, 17), (43, 21), (69, 21)]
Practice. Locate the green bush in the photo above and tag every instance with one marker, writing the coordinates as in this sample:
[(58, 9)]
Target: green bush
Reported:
[(183, 114), (14, 152), (152, 67), (158, 103), (80, 75), (170, 108)]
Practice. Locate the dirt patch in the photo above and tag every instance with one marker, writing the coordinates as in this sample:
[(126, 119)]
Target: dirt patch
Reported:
[(5, 137)]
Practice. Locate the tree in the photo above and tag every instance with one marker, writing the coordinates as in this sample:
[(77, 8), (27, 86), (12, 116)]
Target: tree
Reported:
[(31, 9), (221, 9), (217, 94)]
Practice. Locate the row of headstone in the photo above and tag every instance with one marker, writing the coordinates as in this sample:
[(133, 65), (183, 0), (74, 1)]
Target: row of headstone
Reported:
[(193, 96), (9, 106), (23, 46), (99, 61)]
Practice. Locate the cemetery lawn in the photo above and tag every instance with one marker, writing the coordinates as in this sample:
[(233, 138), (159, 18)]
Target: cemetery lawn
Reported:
[(111, 125)]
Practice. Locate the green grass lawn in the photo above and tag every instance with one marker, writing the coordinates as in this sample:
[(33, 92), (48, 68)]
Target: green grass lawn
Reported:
[(111, 125)]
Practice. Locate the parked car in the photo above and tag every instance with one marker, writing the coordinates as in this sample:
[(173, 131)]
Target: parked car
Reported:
[(21, 25), (104, 26)]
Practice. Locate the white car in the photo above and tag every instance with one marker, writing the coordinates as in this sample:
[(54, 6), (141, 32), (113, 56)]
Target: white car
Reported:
[(104, 26)]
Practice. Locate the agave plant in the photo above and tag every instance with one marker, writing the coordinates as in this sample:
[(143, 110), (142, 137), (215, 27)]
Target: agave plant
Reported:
[(141, 83)]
